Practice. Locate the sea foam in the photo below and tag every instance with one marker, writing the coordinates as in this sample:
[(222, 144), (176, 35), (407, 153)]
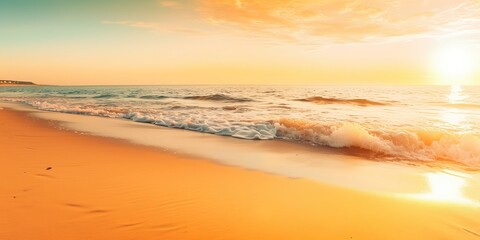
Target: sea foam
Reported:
[(399, 145), (415, 124)]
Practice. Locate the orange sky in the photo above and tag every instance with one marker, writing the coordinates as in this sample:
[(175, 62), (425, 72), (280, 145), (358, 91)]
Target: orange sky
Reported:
[(240, 42)]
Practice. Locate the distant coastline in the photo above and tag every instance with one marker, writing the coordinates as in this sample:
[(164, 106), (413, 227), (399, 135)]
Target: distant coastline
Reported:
[(15, 83)]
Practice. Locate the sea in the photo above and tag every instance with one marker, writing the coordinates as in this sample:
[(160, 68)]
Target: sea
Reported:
[(420, 124)]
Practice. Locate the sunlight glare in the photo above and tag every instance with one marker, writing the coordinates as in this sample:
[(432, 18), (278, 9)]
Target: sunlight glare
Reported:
[(445, 186), (456, 94), (454, 64), (453, 117)]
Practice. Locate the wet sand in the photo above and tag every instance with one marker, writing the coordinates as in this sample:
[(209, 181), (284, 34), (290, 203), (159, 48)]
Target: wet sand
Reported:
[(57, 184)]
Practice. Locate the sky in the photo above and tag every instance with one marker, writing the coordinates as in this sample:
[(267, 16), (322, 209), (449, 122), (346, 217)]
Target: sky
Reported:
[(240, 41)]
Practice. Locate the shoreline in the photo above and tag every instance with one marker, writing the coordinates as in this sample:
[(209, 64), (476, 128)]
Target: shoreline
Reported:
[(147, 193), (274, 156), (277, 157), (355, 153), (245, 114)]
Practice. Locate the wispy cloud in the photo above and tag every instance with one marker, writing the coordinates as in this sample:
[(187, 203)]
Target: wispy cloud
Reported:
[(344, 21)]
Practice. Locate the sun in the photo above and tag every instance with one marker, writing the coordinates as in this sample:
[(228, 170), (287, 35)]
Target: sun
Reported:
[(454, 64)]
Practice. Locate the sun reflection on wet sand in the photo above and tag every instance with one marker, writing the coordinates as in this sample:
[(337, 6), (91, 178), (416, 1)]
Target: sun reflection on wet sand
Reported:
[(446, 186)]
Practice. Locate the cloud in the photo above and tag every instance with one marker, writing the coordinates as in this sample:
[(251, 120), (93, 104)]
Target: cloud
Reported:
[(156, 27), (344, 21)]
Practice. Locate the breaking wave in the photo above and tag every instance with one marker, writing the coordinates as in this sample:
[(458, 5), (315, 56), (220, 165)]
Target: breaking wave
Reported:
[(381, 144), (219, 97), (239, 119), (392, 145), (324, 100), (213, 97), (153, 97), (105, 96)]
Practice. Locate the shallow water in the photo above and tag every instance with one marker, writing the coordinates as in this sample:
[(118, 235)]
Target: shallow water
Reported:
[(421, 123)]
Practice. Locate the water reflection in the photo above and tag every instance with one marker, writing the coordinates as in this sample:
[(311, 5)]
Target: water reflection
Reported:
[(456, 94), (445, 186), (453, 116)]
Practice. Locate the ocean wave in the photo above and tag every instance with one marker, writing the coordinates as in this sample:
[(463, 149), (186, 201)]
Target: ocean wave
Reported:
[(105, 96), (218, 97), (213, 97), (153, 97), (243, 130), (383, 144), (324, 100), (80, 109), (236, 109), (230, 108), (378, 142)]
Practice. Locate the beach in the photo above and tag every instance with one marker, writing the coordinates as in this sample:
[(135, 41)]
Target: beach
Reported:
[(240, 120), (62, 184)]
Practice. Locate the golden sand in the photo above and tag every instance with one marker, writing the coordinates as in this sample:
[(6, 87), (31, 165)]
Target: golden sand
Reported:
[(58, 184)]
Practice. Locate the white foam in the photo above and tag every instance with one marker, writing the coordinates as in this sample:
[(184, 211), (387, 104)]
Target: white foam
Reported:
[(401, 145), (390, 131)]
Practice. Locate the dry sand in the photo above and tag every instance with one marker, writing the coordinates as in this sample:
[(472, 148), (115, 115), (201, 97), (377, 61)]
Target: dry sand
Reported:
[(58, 184)]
